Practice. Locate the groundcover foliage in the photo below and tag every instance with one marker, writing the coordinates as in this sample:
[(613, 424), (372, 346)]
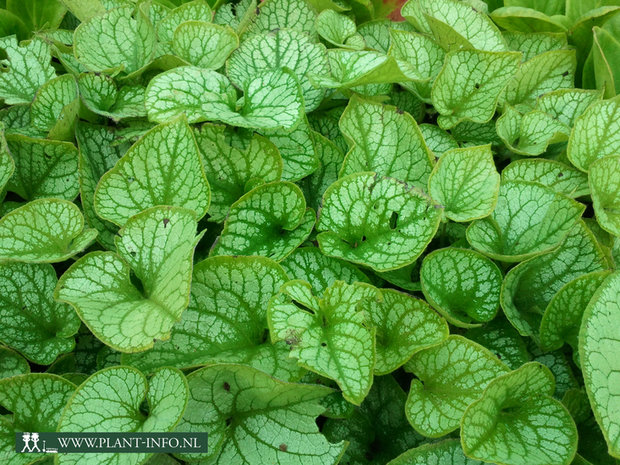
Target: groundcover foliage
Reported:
[(318, 234)]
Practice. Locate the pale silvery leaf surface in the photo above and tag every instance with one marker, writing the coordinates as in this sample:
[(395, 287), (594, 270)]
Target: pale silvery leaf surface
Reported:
[(119, 41), (221, 287), (44, 231), (280, 49), (465, 182), (529, 219), (271, 101), (528, 288), (33, 323), (599, 353), (36, 401), (163, 168), (455, 24), (403, 326), (551, 173), (122, 390), (277, 211), (147, 312), (28, 66), (271, 220), (257, 418), (516, 422), (385, 140), (328, 335), (375, 221), (470, 84), (450, 376), (462, 285)]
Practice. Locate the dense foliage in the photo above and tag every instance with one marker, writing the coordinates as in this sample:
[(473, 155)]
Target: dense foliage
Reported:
[(317, 234)]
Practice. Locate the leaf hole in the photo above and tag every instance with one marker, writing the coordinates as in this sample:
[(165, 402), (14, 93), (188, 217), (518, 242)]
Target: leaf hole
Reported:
[(394, 220), (303, 307)]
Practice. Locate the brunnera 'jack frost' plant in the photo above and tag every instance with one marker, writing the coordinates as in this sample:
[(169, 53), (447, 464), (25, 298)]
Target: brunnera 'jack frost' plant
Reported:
[(321, 231)]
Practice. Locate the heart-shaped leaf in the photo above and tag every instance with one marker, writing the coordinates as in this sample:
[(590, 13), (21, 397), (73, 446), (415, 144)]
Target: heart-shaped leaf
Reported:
[(123, 390), (258, 417), (403, 325), (375, 221), (516, 422), (232, 171), (271, 220), (450, 376), (352, 68), (385, 140), (599, 351), (551, 173), (147, 305), (29, 67), (531, 133), (544, 73), (529, 219), (422, 54), (529, 287), (455, 24), (33, 323), (195, 10), (465, 181), (271, 101), (162, 168), (55, 107), (470, 83), (101, 95), (44, 231), (327, 335), (535, 43), (43, 168), (203, 44), (562, 318), (339, 30), (133, 46), (280, 49), (462, 285), (566, 105), (36, 401), (207, 333)]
